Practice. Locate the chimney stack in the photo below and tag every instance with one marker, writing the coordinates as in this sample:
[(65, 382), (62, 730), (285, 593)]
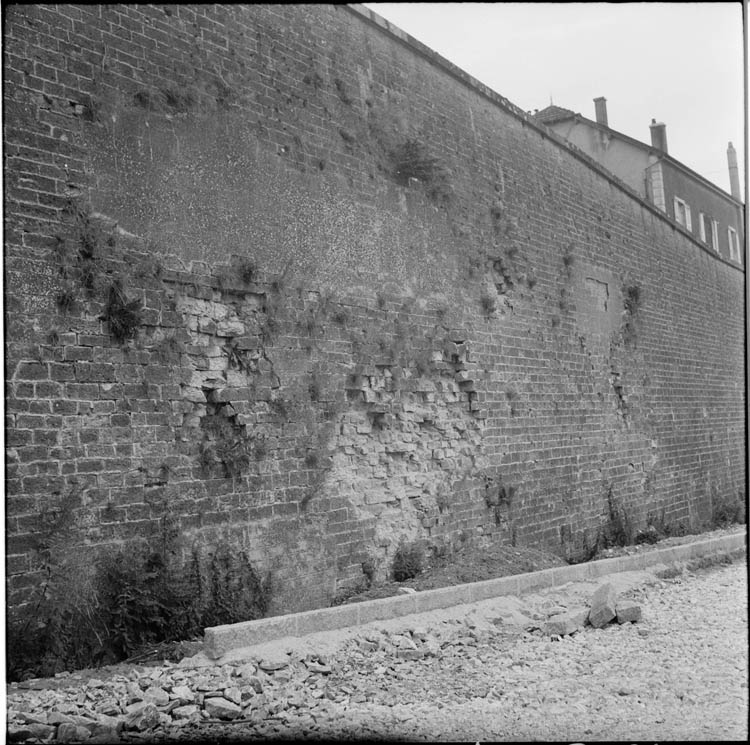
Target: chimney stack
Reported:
[(734, 173), (600, 106), (659, 135)]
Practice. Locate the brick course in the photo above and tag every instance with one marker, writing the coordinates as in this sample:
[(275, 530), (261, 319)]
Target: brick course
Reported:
[(443, 357)]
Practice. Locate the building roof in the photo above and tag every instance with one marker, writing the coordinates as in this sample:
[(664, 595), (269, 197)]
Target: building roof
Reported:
[(553, 114)]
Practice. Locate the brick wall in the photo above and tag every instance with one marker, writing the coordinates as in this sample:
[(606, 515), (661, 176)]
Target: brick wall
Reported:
[(369, 301)]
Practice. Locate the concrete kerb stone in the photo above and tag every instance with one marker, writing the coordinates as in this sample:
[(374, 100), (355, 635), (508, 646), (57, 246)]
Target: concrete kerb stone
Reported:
[(443, 597), (217, 640), (221, 639), (384, 608), (491, 588), (327, 619)]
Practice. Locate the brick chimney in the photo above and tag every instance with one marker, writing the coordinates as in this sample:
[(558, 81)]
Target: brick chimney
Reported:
[(659, 135), (600, 106), (734, 172)]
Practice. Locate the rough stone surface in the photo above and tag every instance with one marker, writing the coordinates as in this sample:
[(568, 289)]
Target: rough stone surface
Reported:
[(141, 716), (603, 605), (475, 679), (221, 708), (628, 611), (567, 622)]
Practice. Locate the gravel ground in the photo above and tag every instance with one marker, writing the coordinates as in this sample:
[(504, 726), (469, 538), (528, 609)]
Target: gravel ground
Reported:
[(470, 673)]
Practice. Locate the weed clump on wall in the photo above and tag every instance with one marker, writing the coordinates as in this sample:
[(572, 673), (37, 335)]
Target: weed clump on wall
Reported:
[(87, 613), (407, 561), (412, 160)]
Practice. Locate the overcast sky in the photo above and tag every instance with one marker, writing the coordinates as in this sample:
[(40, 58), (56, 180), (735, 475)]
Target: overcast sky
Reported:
[(678, 63)]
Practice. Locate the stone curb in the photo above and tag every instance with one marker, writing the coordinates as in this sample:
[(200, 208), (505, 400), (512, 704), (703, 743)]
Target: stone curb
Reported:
[(218, 640)]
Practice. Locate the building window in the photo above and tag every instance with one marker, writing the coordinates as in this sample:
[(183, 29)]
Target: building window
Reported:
[(734, 245), (682, 213), (656, 182), (709, 231)]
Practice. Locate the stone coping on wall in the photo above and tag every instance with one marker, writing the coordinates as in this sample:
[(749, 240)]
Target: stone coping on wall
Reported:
[(436, 59), (218, 640)]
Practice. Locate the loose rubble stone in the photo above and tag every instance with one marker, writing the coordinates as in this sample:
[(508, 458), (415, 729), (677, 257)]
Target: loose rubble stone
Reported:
[(409, 654), (566, 623), (57, 717), (41, 731), (317, 667), (72, 733), (182, 693), (141, 716), (156, 695), (189, 711), (275, 663), (32, 717), (221, 708), (627, 610), (247, 670), (233, 694), (480, 683), (603, 605)]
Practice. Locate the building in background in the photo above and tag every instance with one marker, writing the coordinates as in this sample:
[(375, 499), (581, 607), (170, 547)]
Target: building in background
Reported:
[(712, 216)]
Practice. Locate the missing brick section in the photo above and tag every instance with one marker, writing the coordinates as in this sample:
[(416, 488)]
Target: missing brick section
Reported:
[(620, 400), (225, 442), (406, 449)]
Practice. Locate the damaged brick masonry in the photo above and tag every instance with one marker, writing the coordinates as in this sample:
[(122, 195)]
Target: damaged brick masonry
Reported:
[(260, 287)]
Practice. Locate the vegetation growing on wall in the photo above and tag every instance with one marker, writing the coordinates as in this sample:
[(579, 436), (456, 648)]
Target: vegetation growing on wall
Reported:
[(100, 611), (631, 305), (412, 161), (84, 263)]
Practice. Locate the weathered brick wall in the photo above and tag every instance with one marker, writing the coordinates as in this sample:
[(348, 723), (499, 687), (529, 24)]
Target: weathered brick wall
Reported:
[(375, 303)]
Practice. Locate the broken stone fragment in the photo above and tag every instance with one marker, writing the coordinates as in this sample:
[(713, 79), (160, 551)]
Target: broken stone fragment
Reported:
[(233, 694), (182, 693), (317, 667), (57, 717), (409, 654), (255, 683), (221, 708), (41, 731), (562, 624), (37, 717), (402, 642), (555, 610), (603, 605), (247, 670), (72, 733), (189, 711), (141, 716), (419, 633), (275, 663), (627, 610), (156, 695)]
